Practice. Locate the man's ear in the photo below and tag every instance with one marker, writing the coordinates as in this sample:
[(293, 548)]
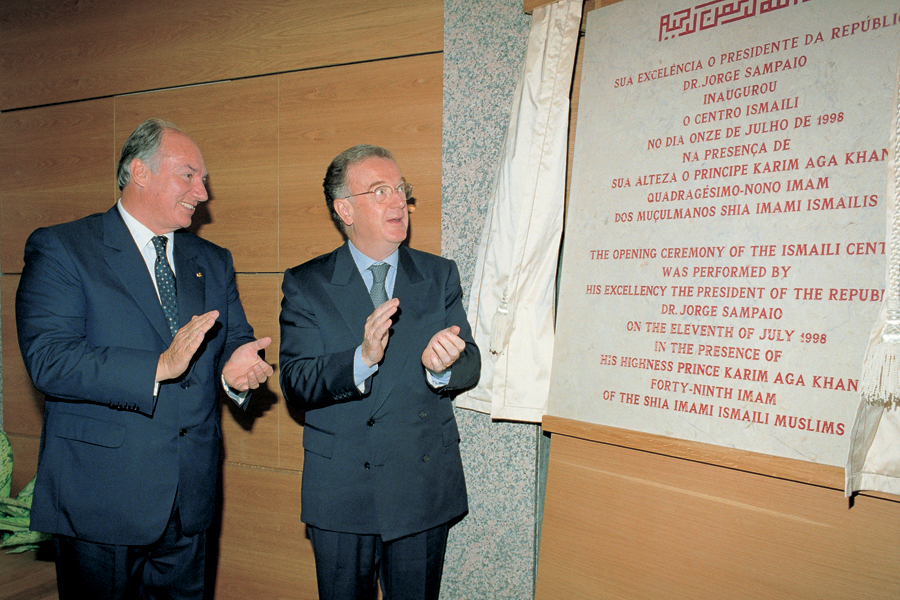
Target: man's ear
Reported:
[(344, 210), (139, 172)]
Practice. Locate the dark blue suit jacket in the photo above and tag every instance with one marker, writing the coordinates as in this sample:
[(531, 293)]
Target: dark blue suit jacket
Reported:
[(113, 456), (385, 462)]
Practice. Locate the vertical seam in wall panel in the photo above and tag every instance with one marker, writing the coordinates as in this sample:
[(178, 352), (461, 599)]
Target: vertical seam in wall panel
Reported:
[(280, 425)]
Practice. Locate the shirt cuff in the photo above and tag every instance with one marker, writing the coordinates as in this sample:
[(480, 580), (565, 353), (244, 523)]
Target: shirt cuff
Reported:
[(361, 371), (437, 380), (239, 397)]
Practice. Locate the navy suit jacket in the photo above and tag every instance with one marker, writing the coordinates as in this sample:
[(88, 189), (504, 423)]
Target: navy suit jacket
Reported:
[(386, 461), (113, 457)]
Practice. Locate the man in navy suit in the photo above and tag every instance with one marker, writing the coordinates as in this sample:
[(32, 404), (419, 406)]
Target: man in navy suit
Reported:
[(128, 470), (382, 475)]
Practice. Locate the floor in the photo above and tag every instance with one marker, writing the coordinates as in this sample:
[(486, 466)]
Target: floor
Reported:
[(27, 576)]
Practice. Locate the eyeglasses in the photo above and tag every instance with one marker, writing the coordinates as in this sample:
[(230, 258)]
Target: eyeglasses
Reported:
[(383, 192)]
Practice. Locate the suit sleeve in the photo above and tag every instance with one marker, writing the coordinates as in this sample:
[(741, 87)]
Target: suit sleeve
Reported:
[(52, 325), (312, 372), (465, 371)]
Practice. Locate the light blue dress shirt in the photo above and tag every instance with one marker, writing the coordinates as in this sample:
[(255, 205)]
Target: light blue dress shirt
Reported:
[(362, 372)]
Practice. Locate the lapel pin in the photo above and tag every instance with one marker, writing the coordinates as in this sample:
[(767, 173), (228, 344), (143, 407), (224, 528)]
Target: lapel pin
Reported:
[(199, 274)]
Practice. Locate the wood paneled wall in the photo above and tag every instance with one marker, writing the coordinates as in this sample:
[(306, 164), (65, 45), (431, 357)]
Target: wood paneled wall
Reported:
[(632, 515), (271, 91), (53, 51)]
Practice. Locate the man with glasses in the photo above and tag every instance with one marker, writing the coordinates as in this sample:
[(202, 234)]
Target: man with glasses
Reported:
[(374, 343)]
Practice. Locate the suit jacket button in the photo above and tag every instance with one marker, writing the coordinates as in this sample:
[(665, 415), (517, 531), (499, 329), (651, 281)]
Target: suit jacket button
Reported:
[(370, 422), (183, 432), (367, 466), (423, 414), (426, 458)]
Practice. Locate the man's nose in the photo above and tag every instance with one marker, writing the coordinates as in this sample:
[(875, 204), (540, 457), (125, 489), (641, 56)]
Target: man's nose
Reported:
[(200, 191)]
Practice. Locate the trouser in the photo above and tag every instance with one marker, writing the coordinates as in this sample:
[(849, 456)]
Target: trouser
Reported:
[(173, 568), (348, 566)]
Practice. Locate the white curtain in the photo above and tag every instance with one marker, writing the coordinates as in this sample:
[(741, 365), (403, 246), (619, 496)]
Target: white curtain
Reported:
[(512, 297), (874, 458)]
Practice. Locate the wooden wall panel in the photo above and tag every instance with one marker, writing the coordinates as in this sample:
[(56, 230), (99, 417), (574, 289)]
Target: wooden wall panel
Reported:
[(396, 104), (264, 549), (57, 164), (54, 51), (27, 576), (625, 523), (236, 126), (25, 454), (23, 405), (267, 433)]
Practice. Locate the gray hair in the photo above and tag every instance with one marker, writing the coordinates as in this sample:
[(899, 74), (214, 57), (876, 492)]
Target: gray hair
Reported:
[(335, 183), (142, 144)]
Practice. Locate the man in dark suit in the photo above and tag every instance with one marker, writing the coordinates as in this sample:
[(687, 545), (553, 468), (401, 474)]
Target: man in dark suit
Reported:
[(131, 358), (382, 475)]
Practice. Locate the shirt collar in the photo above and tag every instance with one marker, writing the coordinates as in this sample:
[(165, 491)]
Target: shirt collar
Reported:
[(139, 232), (363, 262)]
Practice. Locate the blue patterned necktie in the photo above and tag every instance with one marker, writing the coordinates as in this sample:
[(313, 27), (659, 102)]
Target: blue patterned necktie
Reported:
[(379, 274), (165, 283)]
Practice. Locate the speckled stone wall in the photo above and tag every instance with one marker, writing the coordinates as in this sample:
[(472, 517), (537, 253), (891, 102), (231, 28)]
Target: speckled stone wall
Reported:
[(492, 553)]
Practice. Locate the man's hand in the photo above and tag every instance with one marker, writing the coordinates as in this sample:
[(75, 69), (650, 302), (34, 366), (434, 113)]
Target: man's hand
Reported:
[(175, 360), (245, 370), (375, 335), (443, 349)]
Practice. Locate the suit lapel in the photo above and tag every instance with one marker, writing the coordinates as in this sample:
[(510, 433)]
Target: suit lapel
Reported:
[(190, 280), (348, 293), (127, 263), (411, 287), (190, 285)]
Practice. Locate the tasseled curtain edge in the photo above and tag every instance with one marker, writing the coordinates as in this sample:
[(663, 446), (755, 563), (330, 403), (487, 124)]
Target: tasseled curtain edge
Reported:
[(880, 382), (500, 326)]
